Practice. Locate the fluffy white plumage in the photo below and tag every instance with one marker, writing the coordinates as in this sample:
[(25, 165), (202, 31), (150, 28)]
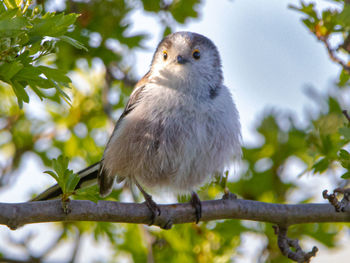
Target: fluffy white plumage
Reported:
[(180, 126)]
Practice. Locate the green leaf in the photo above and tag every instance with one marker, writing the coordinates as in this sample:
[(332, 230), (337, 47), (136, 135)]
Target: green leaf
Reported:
[(345, 131), (8, 13), (88, 193), (344, 154), (8, 70), (343, 78), (10, 4), (182, 9), (134, 41), (344, 158), (36, 90), (346, 175), (333, 105), (25, 58), (12, 26), (167, 31), (72, 181), (52, 174), (20, 93), (65, 96), (52, 25), (321, 165), (65, 178), (308, 9), (60, 164), (151, 5), (26, 31), (55, 74), (28, 73), (344, 16), (73, 42), (309, 24), (31, 73)]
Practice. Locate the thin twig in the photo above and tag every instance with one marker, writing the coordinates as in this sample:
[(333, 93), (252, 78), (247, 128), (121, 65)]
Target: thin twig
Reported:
[(12, 260), (346, 115), (285, 244), (77, 244), (23, 243), (53, 245), (332, 53), (333, 200)]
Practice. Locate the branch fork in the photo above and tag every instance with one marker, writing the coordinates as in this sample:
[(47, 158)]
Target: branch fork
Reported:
[(286, 244), (340, 206)]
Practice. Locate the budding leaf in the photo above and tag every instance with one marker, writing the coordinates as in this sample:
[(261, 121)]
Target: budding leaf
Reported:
[(65, 178)]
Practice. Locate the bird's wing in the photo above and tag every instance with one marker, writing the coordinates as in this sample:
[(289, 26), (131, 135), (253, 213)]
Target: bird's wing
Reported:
[(134, 97), (130, 105), (89, 175), (105, 180)]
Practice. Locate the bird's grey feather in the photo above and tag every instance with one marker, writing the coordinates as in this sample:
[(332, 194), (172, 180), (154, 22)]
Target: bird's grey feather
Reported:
[(183, 128), (105, 181)]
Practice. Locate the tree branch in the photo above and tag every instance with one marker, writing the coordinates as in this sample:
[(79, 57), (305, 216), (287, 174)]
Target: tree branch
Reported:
[(332, 53), (333, 200), (345, 112), (285, 244), (283, 215)]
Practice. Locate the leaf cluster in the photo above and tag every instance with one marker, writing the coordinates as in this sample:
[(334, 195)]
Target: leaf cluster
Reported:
[(26, 37), (330, 24), (65, 178)]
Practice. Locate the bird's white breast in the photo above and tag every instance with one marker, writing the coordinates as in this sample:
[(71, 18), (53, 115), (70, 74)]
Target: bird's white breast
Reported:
[(177, 141)]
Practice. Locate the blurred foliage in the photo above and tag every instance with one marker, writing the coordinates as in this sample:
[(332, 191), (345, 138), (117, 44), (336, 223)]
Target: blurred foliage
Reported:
[(318, 147), (27, 36), (38, 48), (327, 25)]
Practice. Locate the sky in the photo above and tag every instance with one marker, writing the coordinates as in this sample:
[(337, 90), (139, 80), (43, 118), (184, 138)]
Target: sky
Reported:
[(268, 57)]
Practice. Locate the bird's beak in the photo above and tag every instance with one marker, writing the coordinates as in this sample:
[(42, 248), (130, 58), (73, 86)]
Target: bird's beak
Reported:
[(181, 60)]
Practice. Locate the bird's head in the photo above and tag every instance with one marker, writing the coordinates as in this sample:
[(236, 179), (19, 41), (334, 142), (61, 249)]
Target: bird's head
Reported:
[(187, 56)]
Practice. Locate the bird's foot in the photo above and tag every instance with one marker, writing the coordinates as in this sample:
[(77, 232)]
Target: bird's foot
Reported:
[(168, 225), (153, 207), (197, 205)]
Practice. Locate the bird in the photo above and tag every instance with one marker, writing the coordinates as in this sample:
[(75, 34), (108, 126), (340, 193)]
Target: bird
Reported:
[(179, 127)]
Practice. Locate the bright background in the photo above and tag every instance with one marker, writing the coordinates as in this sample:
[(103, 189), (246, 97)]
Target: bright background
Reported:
[(266, 64)]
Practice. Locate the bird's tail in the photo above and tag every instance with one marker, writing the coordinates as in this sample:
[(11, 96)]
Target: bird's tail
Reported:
[(88, 177)]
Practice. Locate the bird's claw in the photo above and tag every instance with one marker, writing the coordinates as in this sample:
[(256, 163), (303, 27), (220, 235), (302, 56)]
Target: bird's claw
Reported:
[(154, 208), (197, 205)]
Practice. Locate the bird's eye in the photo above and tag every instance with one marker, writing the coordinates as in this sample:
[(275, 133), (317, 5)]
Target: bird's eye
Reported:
[(165, 54), (196, 54)]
